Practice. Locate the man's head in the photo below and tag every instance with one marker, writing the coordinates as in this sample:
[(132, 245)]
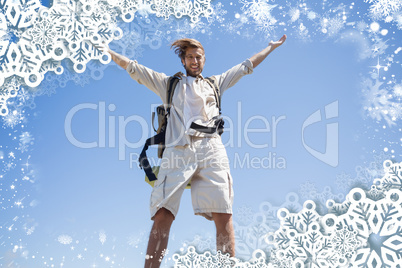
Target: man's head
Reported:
[(191, 54)]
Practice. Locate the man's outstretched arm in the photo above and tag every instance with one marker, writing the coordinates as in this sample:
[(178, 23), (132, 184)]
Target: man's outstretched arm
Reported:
[(260, 56), (155, 81), (120, 60)]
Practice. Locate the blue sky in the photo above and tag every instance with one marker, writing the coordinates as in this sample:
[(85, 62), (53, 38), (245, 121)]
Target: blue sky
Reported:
[(82, 193)]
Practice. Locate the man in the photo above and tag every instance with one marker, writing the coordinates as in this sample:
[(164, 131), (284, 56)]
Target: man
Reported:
[(190, 153)]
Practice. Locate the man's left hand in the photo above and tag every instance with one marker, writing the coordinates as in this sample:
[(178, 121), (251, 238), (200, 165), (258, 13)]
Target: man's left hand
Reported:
[(276, 44)]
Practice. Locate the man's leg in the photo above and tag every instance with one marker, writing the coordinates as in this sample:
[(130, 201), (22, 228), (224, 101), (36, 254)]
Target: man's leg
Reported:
[(225, 239), (158, 238)]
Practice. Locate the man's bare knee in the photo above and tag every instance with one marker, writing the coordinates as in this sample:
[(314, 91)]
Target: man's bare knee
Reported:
[(163, 217), (221, 219)]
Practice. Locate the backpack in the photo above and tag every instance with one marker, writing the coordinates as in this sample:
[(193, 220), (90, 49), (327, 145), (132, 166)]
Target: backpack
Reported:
[(163, 115)]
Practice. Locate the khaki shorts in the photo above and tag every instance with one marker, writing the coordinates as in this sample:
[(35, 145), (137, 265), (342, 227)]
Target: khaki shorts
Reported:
[(204, 161)]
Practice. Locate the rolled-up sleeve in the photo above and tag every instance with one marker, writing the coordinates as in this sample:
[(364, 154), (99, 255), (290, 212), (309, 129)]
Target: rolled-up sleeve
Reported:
[(157, 82), (233, 75)]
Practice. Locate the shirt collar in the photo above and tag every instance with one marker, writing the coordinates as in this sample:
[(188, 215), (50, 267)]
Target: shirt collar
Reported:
[(199, 77)]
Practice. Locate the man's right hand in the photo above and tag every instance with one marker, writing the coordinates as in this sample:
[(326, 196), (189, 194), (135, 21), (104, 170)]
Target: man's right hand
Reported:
[(276, 44), (120, 60), (104, 48)]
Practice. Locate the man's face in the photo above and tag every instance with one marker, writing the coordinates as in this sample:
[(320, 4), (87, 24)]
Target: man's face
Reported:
[(194, 61)]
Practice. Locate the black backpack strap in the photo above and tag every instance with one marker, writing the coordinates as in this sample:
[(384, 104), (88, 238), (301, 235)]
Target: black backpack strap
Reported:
[(218, 127), (153, 118), (219, 122), (160, 137), (143, 160), (214, 84), (172, 83)]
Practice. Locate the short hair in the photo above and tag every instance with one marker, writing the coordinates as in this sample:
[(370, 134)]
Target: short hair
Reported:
[(180, 46)]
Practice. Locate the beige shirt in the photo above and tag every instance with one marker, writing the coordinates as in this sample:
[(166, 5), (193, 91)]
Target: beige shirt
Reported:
[(193, 99)]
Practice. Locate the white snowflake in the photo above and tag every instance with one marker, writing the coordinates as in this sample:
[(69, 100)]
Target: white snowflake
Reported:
[(9, 90), (193, 259), (260, 11), (43, 33), (29, 226), (249, 35), (102, 237), (308, 190), (384, 8), (245, 214), (345, 242), (23, 147), (48, 86), (375, 193), (201, 243), (378, 103), (343, 181), (294, 14), (323, 196), (266, 26), (218, 13), (18, 57), (25, 99), (378, 47), (26, 137), (232, 27), (199, 27), (278, 259), (164, 10), (81, 79), (361, 26), (395, 111), (303, 33), (335, 25), (301, 238), (248, 237), (331, 26), (9, 166), (360, 231), (364, 176), (130, 43), (398, 19), (65, 239), (392, 179), (13, 118), (180, 8), (137, 239), (311, 15), (163, 254), (398, 90)]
